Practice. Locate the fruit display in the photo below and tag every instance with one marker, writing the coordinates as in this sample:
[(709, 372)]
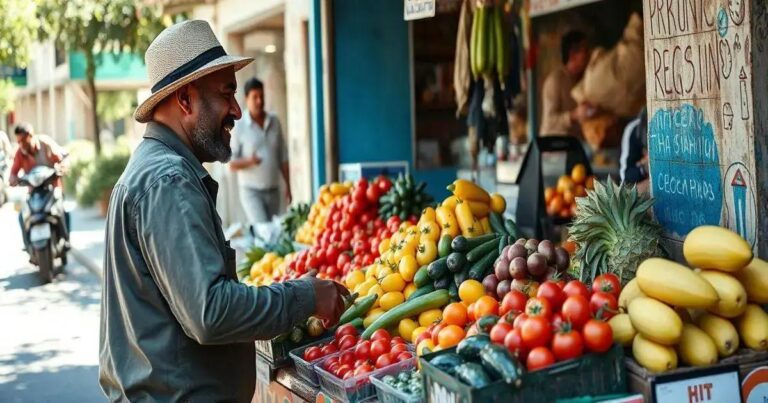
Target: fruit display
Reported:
[(406, 198), (560, 200), (613, 231), (294, 218), (344, 338), (368, 355), (691, 317), (477, 362), (266, 270), (407, 382), (319, 211)]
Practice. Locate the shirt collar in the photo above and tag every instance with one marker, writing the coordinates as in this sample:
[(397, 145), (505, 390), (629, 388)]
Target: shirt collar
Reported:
[(249, 120), (166, 136)]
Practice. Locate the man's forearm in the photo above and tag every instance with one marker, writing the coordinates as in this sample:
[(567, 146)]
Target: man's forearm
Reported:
[(241, 163), (286, 174)]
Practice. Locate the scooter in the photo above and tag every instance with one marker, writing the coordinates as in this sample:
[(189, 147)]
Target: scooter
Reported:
[(43, 219)]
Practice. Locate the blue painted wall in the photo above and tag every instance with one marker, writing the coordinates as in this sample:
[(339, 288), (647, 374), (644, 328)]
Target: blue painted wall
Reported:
[(316, 95)]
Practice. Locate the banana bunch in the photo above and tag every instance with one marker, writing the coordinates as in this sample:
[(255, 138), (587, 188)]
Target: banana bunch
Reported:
[(489, 48)]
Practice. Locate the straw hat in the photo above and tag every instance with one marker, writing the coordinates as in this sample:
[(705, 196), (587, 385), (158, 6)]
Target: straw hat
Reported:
[(182, 53)]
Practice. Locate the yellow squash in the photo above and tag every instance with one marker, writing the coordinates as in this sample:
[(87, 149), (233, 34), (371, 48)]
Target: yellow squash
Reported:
[(696, 348), (447, 221), (732, 298), (628, 293), (655, 321), (674, 284), (623, 331), (468, 190), (498, 203), (722, 332), (713, 247), (450, 202), (653, 356), (753, 327), (467, 221), (479, 209), (754, 278)]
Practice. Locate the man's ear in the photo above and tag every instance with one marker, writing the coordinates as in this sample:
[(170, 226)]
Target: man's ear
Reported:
[(184, 98)]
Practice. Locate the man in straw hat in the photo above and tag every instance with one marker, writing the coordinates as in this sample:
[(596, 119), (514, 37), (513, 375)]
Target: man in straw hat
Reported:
[(176, 325)]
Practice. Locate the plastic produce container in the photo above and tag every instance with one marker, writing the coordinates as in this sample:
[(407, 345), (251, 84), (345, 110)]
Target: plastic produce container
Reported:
[(388, 394), (306, 369)]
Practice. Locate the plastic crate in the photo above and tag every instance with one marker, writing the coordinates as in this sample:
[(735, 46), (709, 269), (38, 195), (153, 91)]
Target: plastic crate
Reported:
[(304, 369), (357, 388), (592, 374), (388, 394)]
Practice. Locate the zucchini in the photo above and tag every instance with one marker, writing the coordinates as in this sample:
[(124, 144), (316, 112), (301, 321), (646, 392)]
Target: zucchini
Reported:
[(358, 309), (469, 348), (473, 37), (485, 323), (456, 262), (497, 223), (460, 277), (444, 283), (435, 299), (479, 252), (444, 246), (478, 269), (482, 39), (505, 240), (447, 362), (453, 291), (462, 244), (421, 278), (421, 291), (357, 322), (473, 375), (438, 268), (497, 360), (511, 228)]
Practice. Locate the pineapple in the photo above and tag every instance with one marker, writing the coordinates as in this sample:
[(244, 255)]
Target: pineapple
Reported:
[(613, 231)]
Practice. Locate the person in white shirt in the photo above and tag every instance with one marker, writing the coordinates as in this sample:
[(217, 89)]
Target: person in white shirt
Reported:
[(260, 157)]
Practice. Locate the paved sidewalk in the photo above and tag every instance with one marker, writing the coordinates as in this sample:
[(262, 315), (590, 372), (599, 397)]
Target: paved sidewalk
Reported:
[(87, 237)]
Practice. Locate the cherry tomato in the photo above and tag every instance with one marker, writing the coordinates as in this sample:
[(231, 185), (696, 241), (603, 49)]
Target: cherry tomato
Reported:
[(378, 347), (550, 291), (536, 331), (519, 320), (557, 321), (384, 360), (312, 353), (538, 358), (405, 355), (384, 185), (347, 342), (329, 349), (332, 367), (358, 363), (362, 183), (372, 194), (567, 344), (397, 340), (607, 283), (363, 369), (576, 310), (603, 305), (349, 374), (347, 357), (381, 334), (538, 307), (425, 335), (514, 343), (514, 301), (499, 331), (398, 348), (343, 369), (345, 330), (598, 336), (363, 350)]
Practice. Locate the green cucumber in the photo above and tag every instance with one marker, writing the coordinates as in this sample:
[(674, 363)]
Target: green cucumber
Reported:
[(453, 291), (456, 262), (421, 291), (497, 360), (435, 299), (511, 228), (497, 223), (479, 268), (444, 282), (479, 252), (460, 277), (473, 375), (357, 309), (357, 322), (505, 240), (469, 348), (444, 246), (421, 278), (447, 362), (438, 268), (485, 323), (463, 244)]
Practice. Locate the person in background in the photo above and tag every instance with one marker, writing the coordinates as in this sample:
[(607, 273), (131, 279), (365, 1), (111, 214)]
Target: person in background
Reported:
[(561, 114), (634, 151), (260, 157)]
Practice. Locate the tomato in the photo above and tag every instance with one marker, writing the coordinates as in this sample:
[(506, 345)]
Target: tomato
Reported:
[(343, 370), (345, 330), (364, 368), (347, 341), (378, 347), (405, 355), (486, 305), (397, 340), (348, 374), (437, 330), (347, 357), (550, 291), (398, 348), (329, 349), (384, 184), (426, 335), (381, 334), (538, 358), (536, 331), (471, 312), (519, 320), (385, 360), (372, 194), (607, 283), (557, 321), (538, 307), (567, 344), (450, 336), (598, 336), (603, 305), (312, 353), (576, 310), (358, 363), (333, 367), (455, 314), (514, 301), (499, 331), (332, 254), (514, 343)]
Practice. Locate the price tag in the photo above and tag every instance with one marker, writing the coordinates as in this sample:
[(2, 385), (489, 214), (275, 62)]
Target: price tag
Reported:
[(715, 385), (418, 9)]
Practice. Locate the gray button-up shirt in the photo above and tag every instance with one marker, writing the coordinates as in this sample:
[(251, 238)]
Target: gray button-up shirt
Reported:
[(176, 325)]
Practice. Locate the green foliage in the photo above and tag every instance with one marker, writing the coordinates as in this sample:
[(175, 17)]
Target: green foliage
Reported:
[(81, 156), (18, 29), (101, 175), (7, 95), (115, 105)]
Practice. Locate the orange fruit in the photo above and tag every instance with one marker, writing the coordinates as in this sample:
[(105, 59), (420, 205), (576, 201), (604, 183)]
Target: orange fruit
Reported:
[(565, 183), (486, 305), (573, 210), (556, 204), (455, 314), (549, 193), (579, 191), (471, 312), (590, 183), (565, 212), (569, 246), (450, 336), (568, 197), (579, 173)]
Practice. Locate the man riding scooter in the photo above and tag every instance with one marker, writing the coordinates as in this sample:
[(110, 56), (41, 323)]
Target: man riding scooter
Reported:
[(39, 157)]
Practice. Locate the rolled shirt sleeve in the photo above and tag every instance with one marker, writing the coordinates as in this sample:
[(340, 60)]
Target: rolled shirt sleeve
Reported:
[(177, 236)]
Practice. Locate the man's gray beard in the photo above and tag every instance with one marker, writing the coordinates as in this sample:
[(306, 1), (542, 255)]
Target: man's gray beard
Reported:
[(207, 138)]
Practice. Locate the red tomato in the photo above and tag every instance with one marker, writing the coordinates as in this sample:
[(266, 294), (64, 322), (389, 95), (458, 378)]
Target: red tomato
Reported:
[(605, 301), (363, 350), (381, 334), (519, 320), (405, 355), (385, 360), (538, 307), (550, 291), (437, 330), (347, 342), (312, 353), (362, 183), (378, 347), (514, 343), (413, 219), (607, 283), (536, 332), (576, 310), (363, 369), (343, 370), (397, 340), (426, 335), (347, 357), (567, 344), (349, 374), (329, 349), (538, 358), (358, 363), (384, 185), (499, 331), (514, 301), (557, 321), (345, 330), (372, 194), (333, 367), (398, 348), (598, 336)]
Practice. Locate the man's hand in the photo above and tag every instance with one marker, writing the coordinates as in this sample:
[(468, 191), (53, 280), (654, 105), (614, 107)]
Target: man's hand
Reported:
[(329, 301), (255, 160), (288, 196), (13, 180)]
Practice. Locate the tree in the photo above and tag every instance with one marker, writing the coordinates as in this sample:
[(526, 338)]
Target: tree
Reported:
[(7, 96), (18, 29), (100, 26)]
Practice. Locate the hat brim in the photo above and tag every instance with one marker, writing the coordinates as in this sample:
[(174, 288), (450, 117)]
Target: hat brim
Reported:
[(143, 113)]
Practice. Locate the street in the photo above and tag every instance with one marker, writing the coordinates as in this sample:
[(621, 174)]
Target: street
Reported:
[(50, 333)]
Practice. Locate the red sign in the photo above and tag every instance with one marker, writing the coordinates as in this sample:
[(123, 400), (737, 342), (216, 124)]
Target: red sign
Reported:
[(754, 387)]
